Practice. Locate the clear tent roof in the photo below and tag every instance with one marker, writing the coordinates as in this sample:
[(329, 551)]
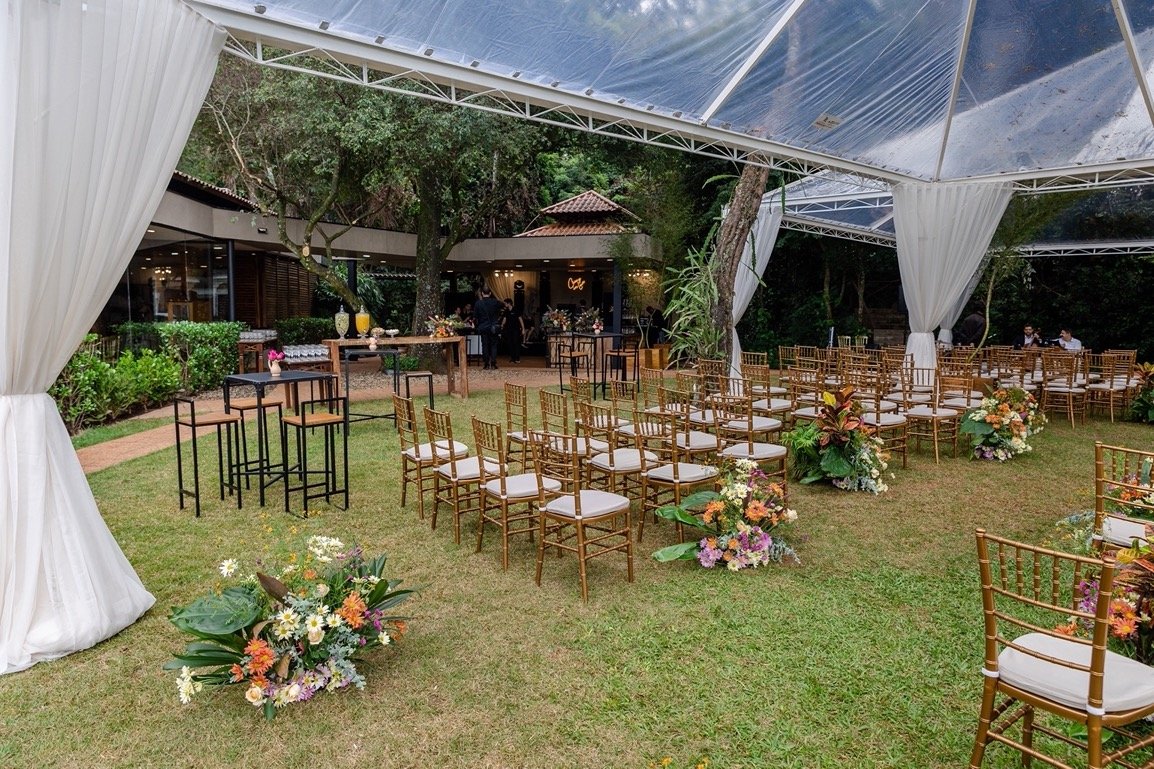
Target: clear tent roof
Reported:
[(921, 89)]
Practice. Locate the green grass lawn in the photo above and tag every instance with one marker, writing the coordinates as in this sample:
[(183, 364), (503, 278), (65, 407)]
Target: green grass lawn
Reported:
[(867, 655), (102, 433)]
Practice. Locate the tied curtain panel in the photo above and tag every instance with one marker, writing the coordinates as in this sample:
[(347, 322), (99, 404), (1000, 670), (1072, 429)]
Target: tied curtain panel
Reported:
[(96, 101), (943, 232), (754, 259)]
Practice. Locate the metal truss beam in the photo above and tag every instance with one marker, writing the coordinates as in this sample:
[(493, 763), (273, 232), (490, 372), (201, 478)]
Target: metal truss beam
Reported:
[(1090, 248), (816, 227), (376, 65)]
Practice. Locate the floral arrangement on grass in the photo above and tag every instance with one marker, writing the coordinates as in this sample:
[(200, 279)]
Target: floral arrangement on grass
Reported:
[(442, 326), (1142, 404), (1001, 425), (555, 321), (839, 447), (739, 522), (289, 637), (585, 321)]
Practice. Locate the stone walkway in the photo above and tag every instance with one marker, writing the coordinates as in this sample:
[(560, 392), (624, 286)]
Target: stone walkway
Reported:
[(365, 385)]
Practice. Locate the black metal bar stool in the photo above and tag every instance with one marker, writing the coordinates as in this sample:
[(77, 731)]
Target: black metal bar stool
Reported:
[(227, 434), (619, 359), (427, 376), (331, 416), (242, 406)]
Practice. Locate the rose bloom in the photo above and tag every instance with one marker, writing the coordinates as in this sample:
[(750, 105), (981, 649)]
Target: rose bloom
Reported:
[(254, 695)]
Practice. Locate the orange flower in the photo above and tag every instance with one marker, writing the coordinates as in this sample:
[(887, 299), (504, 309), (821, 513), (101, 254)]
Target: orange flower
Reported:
[(712, 510), (711, 543), (400, 627), (755, 511), (1124, 627), (353, 610), (310, 574), (1071, 628), (237, 673), (261, 656)]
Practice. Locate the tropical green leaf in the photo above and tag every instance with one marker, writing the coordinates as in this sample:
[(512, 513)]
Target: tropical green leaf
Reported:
[(218, 614), (835, 464), (683, 551), (675, 513)]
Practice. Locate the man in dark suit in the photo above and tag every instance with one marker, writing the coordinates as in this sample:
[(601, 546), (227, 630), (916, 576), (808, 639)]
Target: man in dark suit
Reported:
[(487, 320)]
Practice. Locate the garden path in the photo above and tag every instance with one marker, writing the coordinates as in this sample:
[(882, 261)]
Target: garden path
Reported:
[(365, 386)]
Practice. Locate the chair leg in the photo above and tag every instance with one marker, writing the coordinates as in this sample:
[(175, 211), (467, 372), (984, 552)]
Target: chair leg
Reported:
[(984, 717), (540, 546), (582, 560)]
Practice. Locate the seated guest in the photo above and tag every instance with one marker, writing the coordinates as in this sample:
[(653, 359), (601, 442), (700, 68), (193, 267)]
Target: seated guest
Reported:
[(1028, 338), (1067, 341)]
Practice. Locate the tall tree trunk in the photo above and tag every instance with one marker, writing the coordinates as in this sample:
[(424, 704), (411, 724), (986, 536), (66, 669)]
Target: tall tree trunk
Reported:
[(730, 245), (430, 260)]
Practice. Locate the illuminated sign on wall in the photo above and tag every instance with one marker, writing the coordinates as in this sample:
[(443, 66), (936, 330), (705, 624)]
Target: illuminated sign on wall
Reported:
[(576, 284)]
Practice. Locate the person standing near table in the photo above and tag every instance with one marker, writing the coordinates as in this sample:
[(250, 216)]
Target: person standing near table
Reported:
[(514, 327), (487, 320)]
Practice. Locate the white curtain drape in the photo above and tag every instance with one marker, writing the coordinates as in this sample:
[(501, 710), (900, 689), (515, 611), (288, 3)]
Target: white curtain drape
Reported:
[(943, 232), (755, 257), (96, 101), (946, 332)]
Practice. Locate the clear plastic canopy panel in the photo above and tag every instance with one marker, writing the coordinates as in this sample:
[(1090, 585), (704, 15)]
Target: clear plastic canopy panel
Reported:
[(915, 88)]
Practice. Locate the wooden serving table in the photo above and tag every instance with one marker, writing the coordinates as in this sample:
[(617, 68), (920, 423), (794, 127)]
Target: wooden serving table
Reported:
[(452, 347)]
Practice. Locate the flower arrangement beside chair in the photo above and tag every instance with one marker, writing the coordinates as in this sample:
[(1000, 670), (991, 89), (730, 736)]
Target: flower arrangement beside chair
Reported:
[(739, 523), (1002, 423), (839, 447)]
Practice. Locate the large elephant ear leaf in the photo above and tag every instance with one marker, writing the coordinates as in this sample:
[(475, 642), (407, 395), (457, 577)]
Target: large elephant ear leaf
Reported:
[(219, 614)]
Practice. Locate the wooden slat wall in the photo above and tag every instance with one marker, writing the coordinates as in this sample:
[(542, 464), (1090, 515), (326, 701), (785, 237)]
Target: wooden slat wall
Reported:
[(269, 288)]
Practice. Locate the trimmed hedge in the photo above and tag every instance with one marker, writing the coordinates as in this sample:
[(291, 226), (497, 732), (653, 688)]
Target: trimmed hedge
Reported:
[(90, 391), (305, 330)]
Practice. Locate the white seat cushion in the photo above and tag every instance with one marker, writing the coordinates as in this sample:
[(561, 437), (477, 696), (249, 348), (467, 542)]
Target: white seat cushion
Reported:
[(594, 503), (584, 445), (773, 405), (468, 469), (929, 412), (760, 424), (705, 417), (756, 452), (809, 412), (424, 452), (521, 486), (962, 403), (646, 429), (771, 390), (621, 460), (686, 473), (1123, 531), (883, 420), (517, 436), (1126, 684), (696, 440)]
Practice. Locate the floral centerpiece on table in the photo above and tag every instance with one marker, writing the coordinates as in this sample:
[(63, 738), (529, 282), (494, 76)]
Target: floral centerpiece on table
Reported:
[(555, 321), (839, 447), (598, 327), (585, 321), (275, 356), (440, 327), (1142, 404), (739, 523), (1002, 423), (289, 637)]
